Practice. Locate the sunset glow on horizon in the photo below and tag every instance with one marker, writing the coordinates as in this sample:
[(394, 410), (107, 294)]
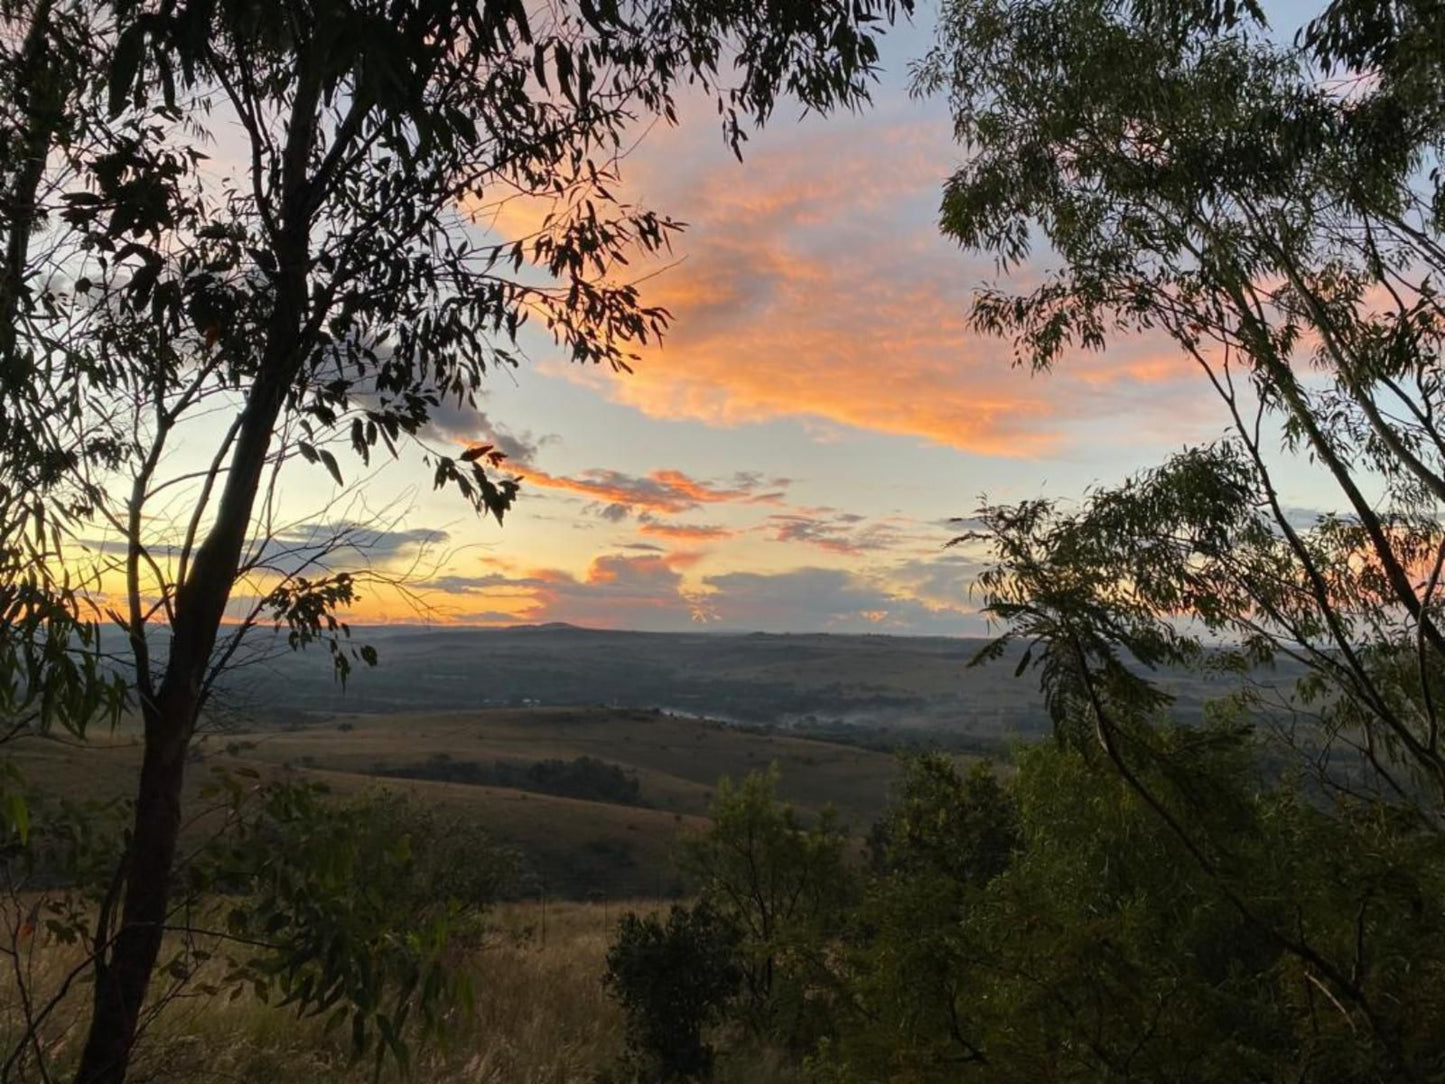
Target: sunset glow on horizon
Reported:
[(789, 457)]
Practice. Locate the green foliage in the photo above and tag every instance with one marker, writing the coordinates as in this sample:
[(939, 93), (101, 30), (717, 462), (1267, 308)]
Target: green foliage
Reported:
[(51, 670), (348, 910), (673, 979), (1272, 209), (957, 826), (911, 956), (57, 875), (1100, 950), (1057, 925), (353, 911), (1114, 955), (1209, 185), (787, 887)]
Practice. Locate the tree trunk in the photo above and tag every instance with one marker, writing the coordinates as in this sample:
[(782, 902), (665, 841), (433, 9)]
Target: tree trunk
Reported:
[(123, 969)]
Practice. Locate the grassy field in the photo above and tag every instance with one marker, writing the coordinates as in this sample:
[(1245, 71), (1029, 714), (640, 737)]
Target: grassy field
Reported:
[(540, 1016), (540, 1012), (573, 848)]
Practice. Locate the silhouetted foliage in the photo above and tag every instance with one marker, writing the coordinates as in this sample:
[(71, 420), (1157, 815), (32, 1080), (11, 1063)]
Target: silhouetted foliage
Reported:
[(351, 909), (786, 886), (1050, 925), (673, 980), (1272, 211), (321, 293)]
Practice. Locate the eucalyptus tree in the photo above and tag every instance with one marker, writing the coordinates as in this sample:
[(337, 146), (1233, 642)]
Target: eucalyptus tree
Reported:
[(1270, 209), (50, 673), (261, 229)]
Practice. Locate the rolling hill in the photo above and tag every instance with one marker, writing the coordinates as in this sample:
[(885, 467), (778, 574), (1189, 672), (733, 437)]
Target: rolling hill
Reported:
[(570, 847)]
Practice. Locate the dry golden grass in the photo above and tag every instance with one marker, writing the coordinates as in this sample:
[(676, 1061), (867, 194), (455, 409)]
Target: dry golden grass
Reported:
[(540, 1016)]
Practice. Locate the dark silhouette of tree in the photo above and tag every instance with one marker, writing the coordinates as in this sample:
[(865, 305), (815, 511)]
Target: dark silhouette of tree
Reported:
[(1274, 210), (320, 286)]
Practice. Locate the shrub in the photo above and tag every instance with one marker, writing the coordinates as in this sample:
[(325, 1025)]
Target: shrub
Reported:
[(351, 907), (788, 888), (673, 979)]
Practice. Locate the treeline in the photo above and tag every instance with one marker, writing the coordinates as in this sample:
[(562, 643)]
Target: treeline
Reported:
[(582, 777), (1050, 925)]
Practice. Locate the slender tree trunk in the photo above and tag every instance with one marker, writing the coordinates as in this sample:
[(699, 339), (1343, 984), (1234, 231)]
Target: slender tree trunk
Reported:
[(37, 87), (124, 967)]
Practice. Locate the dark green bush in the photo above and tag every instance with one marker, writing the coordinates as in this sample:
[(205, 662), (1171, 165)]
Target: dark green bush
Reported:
[(787, 885), (673, 979)]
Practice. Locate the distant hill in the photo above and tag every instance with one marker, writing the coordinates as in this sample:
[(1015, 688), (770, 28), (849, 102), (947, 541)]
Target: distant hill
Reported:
[(591, 750), (880, 690)]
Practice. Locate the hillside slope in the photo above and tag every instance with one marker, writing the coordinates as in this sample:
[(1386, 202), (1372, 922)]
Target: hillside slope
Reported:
[(571, 847)]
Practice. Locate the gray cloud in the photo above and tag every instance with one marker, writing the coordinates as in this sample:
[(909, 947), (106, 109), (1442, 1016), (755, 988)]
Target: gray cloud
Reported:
[(825, 599), (340, 546), (647, 592)]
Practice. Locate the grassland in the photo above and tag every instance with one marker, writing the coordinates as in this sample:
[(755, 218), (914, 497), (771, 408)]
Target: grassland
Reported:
[(881, 690), (570, 848), (540, 1016)]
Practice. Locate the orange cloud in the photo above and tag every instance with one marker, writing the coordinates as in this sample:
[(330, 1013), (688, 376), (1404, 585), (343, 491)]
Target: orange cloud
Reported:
[(686, 532), (662, 491), (830, 296)]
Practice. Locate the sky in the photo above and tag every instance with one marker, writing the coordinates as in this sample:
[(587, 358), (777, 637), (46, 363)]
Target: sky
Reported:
[(789, 458)]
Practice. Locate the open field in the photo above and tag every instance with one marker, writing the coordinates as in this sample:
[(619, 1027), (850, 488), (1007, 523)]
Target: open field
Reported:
[(678, 761), (570, 847), (541, 1016)]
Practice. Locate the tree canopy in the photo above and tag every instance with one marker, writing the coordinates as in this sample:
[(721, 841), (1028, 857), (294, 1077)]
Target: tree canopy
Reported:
[(1269, 209)]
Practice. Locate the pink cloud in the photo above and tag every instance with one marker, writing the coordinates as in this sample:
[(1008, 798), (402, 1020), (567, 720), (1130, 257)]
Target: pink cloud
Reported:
[(662, 491), (827, 295)]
